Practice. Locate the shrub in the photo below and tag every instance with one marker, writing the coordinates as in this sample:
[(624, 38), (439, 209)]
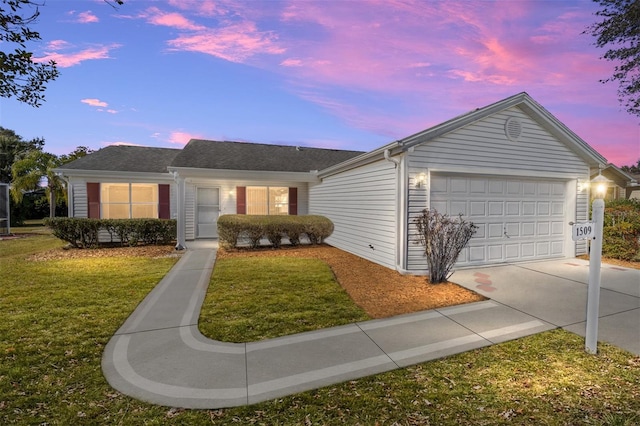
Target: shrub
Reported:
[(231, 228), (84, 233), (621, 231), (443, 239)]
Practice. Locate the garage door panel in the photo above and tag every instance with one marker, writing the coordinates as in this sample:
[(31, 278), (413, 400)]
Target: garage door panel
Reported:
[(478, 209), (557, 228), (512, 251), (496, 187), (544, 208), (513, 208), (544, 229), (528, 208), (557, 209), (459, 207), (542, 248), (516, 218), (496, 208), (495, 253), (513, 229), (496, 230)]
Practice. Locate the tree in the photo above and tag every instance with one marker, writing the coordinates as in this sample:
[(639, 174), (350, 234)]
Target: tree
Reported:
[(12, 148), (633, 169), (620, 33), (29, 172), (443, 238), (20, 76)]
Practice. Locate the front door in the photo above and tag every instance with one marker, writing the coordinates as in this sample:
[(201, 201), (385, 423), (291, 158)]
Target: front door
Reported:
[(207, 212)]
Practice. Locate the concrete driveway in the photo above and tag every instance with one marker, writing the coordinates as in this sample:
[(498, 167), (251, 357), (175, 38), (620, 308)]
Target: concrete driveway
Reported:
[(555, 291)]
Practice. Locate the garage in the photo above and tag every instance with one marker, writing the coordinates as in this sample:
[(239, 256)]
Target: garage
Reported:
[(518, 219)]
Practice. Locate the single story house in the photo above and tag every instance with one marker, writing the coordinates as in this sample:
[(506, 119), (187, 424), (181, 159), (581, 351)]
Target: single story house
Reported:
[(620, 184), (512, 168)]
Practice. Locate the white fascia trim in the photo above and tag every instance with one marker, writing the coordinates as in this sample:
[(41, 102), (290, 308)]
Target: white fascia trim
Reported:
[(507, 172), (189, 172), (109, 174), (393, 149)]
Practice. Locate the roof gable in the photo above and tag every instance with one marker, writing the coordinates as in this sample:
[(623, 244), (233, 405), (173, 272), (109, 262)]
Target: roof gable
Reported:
[(530, 107), (205, 154)]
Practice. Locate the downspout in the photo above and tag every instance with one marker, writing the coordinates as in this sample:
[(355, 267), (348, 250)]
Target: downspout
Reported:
[(387, 156), (400, 208)]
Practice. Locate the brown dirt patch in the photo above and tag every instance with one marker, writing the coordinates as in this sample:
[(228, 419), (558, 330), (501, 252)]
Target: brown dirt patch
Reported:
[(74, 253), (380, 291), (617, 262)]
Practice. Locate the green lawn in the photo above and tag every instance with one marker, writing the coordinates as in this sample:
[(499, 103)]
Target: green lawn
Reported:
[(57, 316), (252, 299)]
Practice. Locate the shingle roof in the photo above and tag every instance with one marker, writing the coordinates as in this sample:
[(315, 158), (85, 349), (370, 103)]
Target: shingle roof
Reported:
[(126, 159), (259, 157)]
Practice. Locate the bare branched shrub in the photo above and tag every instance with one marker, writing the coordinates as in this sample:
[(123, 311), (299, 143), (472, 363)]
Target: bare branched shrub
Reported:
[(443, 238)]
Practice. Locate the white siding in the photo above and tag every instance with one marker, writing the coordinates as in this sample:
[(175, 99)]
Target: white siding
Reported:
[(362, 205), (228, 197), (484, 144), (80, 203)]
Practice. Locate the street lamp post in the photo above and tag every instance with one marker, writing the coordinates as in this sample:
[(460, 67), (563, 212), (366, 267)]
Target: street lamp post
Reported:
[(595, 260)]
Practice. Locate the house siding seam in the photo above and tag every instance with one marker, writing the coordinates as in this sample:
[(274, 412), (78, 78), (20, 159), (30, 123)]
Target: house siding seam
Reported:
[(361, 203)]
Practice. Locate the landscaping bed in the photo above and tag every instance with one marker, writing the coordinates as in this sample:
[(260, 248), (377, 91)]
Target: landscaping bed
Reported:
[(380, 291)]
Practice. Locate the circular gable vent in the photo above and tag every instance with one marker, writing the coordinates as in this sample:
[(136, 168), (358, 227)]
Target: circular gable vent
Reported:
[(513, 129)]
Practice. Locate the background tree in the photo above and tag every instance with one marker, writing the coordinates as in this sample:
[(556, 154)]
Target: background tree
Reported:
[(21, 77), (12, 148), (633, 169), (620, 33), (30, 171)]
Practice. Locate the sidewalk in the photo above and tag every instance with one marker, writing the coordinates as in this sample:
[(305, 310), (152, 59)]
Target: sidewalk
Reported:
[(158, 355)]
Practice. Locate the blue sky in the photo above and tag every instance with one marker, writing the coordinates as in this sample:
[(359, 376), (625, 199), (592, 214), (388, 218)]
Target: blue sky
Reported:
[(338, 74)]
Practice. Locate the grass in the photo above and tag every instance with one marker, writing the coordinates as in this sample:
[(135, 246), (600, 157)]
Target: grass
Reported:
[(57, 316), (272, 297)]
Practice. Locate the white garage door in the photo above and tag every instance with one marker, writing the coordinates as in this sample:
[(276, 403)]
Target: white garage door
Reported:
[(517, 219)]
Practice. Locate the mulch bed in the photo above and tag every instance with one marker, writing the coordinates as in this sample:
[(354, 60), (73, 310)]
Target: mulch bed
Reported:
[(380, 291)]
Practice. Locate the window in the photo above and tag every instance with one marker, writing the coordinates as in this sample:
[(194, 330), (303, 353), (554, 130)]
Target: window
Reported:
[(266, 200), (128, 200)]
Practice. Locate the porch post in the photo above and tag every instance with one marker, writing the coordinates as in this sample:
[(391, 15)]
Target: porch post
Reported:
[(181, 213)]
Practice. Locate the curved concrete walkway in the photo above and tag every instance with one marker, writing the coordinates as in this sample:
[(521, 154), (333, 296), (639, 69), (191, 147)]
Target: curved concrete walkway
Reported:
[(159, 356)]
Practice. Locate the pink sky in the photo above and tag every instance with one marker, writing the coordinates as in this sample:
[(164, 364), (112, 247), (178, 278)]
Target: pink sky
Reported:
[(346, 74)]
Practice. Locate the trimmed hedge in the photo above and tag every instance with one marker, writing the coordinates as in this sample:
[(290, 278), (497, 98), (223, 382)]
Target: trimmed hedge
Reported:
[(621, 233), (233, 228), (85, 233)]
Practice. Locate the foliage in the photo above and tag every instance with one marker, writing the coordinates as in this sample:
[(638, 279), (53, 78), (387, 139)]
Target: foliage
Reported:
[(633, 169), (85, 233), (13, 148), (28, 173), (232, 228), (619, 31), (258, 298), (443, 239), (58, 315), (23, 77), (621, 231)]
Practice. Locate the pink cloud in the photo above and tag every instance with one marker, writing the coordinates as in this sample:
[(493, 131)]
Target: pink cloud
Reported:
[(94, 102), (87, 17), (234, 43), (156, 16), (181, 138), (56, 51)]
